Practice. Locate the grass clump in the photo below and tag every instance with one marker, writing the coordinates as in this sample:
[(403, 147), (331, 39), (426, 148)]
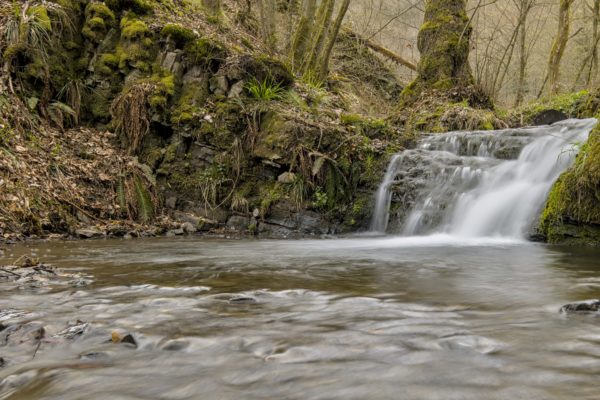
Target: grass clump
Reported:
[(265, 90)]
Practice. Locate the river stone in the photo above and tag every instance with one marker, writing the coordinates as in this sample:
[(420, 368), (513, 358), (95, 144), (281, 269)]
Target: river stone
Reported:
[(188, 227), (89, 233), (243, 300), (588, 306)]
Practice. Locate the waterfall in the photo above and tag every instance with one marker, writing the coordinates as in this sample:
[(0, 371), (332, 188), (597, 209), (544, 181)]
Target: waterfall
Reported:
[(476, 184)]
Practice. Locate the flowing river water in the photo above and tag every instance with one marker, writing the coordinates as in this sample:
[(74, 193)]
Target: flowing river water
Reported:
[(355, 318), (466, 311)]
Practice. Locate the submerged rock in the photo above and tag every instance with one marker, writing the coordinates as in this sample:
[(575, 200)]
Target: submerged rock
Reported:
[(588, 306), (30, 273)]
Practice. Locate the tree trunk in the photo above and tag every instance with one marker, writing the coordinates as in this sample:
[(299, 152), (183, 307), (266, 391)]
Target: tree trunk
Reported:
[(212, 7), (324, 61), (559, 44), (323, 21), (267, 21), (593, 70), (443, 41), (303, 33), (524, 8)]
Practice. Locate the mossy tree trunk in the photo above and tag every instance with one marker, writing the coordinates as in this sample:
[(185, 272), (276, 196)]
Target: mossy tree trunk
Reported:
[(323, 21), (335, 30), (443, 42), (268, 16), (302, 34), (559, 45)]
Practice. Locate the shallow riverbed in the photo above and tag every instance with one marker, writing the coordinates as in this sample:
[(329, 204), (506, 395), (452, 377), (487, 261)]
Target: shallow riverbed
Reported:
[(356, 318)]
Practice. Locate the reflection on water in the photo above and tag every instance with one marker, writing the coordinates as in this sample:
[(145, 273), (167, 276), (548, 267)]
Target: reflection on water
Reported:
[(358, 318)]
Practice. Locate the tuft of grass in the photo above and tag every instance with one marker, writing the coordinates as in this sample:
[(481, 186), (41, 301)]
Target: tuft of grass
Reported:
[(266, 90)]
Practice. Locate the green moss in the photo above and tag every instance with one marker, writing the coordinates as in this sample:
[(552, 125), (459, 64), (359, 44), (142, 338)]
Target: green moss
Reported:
[(137, 6), (179, 34), (108, 63), (201, 51), (133, 29), (572, 104), (165, 88), (572, 210), (40, 13), (100, 10), (270, 193)]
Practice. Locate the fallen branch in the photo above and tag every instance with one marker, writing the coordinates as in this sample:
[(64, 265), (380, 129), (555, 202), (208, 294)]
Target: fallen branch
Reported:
[(383, 51)]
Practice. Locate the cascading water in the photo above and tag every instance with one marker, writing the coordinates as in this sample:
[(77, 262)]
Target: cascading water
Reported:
[(476, 184)]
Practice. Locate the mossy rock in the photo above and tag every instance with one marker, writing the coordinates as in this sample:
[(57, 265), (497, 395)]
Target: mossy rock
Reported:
[(262, 69), (207, 53), (574, 201), (179, 34), (137, 6)]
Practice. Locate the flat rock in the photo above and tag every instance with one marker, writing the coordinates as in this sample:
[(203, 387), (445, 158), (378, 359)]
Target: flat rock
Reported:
[(89, 233)]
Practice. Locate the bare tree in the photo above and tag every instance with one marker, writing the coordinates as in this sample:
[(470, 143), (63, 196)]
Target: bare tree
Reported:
[(559, 44)]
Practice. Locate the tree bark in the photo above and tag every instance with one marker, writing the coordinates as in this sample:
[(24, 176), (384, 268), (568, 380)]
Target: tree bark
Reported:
[(593, 70), (443, 41), (267, 21), (333, 34), (524, 8), (303, 33), (559, 45)]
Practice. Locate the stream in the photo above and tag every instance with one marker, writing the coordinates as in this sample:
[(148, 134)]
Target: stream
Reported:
[(355, 318)]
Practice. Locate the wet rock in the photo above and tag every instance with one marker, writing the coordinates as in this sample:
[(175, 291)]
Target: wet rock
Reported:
[(89, 233), (243, 300), (175, 232), (73, 330), (117, 230), (589, 306), (238, 222), (188, 227), (313, 223), (548, 117), (128, 338), (33, 274)]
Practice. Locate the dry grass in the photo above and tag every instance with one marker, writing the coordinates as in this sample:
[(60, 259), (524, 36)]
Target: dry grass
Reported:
[(130, 114)]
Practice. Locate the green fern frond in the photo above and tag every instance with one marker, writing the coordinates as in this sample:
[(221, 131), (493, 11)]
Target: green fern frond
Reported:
[(145, 208)]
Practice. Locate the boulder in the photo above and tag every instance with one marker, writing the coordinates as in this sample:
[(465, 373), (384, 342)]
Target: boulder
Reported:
[(548, 117), (89, 233), (238, 222)]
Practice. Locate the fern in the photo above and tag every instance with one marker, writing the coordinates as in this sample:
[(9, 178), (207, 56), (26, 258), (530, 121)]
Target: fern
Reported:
[(121, 194), (145, 208)]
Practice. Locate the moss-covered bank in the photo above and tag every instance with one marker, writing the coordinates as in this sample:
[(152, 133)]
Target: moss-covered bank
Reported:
[(572, 212), (207, 127)]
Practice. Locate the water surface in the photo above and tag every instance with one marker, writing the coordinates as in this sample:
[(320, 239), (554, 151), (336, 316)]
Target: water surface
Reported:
[(378, 318)]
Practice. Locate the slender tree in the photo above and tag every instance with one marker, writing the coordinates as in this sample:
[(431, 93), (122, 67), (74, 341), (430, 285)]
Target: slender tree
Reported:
[(525, 7), (559, 45)]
